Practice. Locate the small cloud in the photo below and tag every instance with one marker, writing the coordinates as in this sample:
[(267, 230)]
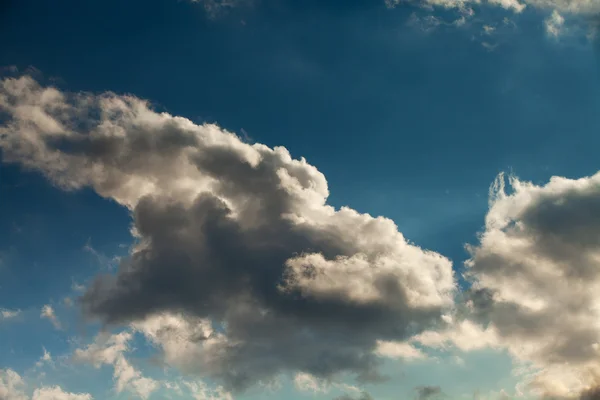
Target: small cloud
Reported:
[(555, 24), (8, 314), (307, 383), (77, 287), (513, 5), (459, 360), (48, 313), (398, 350), (489, 46), (488, 29), (46, 358)]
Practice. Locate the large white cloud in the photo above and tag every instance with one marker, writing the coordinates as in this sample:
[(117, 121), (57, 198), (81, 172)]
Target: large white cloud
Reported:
[(536, 274), (234, 234)]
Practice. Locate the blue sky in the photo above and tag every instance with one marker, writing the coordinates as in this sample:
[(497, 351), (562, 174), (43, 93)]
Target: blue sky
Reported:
[(145, 199)]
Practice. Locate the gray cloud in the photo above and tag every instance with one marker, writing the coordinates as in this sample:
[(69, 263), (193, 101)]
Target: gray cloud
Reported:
[(428, 392), (232, 235), (591, 394), (361, 396)]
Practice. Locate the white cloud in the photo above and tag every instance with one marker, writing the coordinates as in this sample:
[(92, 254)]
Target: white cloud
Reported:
[(307, 383), (513, 5), (537, 281), (110, 350), (401, 350), (8, 314), (11, 385), (555, 24), (49, 314), (56, 393), (46, 358), (200, 391)]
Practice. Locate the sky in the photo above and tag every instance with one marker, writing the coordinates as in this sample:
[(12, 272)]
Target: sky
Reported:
[(283, 199)]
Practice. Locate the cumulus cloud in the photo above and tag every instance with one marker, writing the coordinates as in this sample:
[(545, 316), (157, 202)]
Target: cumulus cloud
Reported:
[(235, 239), (56, 393), (110, 350), (536, 274), (12, 387), (49, 314)]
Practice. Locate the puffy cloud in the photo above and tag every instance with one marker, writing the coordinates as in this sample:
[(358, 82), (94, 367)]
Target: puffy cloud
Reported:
[(585, 7), (555, 24), (536, 274), (110, 350), (56, 393), (400, 350), (49, 314), (11, 385), (588, 7), (307, 383), (236, 240), (46, 358)]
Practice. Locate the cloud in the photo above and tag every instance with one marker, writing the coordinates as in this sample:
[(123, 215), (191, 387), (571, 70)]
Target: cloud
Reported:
[(536, 275), (215, 8), (12, 387), (46, 358), (8, 314), (56, 393), (555, 24), (428, 392), (400, 350), (360, 396), (307, 383), (585, 7), (50, 315), (110, 350), (235, 239)]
